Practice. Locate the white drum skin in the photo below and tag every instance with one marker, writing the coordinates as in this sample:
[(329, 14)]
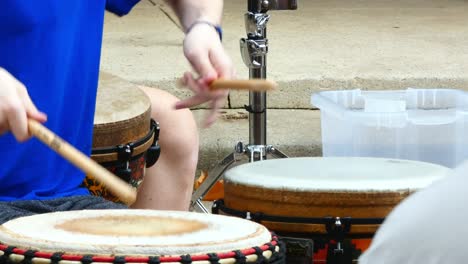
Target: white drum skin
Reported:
[(315, 187), (133, 232)]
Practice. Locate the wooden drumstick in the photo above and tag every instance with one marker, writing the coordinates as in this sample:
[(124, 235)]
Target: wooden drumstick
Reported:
[(255, 85), (93, 169)]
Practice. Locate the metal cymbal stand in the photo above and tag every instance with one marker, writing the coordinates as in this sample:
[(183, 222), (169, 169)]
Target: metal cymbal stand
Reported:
[(254, 49)]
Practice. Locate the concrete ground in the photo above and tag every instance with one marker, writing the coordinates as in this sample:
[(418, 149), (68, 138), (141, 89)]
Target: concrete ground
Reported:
[(324, 45)]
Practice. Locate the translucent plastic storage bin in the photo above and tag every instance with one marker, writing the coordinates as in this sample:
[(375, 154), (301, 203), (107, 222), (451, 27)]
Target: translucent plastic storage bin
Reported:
[(417, 124)]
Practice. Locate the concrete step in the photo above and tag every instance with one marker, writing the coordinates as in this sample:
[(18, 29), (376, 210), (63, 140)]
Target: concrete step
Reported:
[(324, 45), (294, 132)]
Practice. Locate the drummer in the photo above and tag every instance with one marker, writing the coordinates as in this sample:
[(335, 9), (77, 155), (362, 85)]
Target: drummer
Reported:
[(49, 65)]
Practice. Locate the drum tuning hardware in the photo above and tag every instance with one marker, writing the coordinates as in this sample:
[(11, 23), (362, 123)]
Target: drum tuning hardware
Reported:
[(247, 216), (338, 249), (337, 222), (126, 174), (153, 153), (124, 154)]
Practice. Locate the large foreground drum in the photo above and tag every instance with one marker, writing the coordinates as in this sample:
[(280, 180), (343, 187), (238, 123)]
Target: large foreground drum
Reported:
[(330, 200), (136, 236), (125, 139)]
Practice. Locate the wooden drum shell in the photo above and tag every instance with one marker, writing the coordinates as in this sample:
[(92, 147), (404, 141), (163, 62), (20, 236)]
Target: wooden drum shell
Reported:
[(293, 202), (311, 205), (122, 118)]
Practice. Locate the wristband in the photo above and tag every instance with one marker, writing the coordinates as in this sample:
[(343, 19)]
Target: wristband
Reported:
[(216, 27)]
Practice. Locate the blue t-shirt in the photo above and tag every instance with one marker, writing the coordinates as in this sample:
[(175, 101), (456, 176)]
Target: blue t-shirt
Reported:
[(53, 47)]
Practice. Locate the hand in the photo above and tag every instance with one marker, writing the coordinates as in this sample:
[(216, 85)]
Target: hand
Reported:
[(16, 107), (204, 51)]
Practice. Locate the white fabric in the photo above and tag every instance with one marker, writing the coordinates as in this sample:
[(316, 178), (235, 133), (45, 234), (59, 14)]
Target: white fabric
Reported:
[(429, 227), (337, 174), (213, 233)]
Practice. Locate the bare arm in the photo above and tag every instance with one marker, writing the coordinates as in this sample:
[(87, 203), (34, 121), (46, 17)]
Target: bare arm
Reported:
[(189, 11), (204, 51)]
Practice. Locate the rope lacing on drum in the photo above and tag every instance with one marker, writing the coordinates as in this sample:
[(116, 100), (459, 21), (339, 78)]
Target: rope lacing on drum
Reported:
[(56, 258), (87, 259), (154, 260), (240, 257), (213, 258), (280, 257), (5, 258), (271, 247), (260, 258), (119, 260), (28, 256), (186, 259)]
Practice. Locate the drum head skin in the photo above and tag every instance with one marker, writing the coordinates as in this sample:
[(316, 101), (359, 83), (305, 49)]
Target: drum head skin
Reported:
[(337, 174), (123, 112), (326, 187), (132, 232)]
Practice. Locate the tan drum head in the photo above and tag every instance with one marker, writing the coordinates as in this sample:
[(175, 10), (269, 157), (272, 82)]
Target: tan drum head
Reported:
[(132, 232), (123, 112), (325, 187)]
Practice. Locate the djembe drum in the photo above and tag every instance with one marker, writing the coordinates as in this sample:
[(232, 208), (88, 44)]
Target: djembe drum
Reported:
[(136, 236), (125, 138), (338, 203)]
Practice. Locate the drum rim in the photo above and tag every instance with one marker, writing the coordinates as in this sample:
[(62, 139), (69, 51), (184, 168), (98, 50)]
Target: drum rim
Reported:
[(122, 132), (211, 236), (274, 247), (110, 153)]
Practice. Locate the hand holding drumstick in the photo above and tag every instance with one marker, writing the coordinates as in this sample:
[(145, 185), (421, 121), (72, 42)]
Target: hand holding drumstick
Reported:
[(219, 86), (211, 63), (20, 115), (16, 107)]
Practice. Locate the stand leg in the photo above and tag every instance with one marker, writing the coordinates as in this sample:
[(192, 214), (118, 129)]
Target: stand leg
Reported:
[(217, 172), (213, 177), (277, 153)]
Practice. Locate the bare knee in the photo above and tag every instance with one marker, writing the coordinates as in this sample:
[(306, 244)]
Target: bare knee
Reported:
[(179, 133)]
